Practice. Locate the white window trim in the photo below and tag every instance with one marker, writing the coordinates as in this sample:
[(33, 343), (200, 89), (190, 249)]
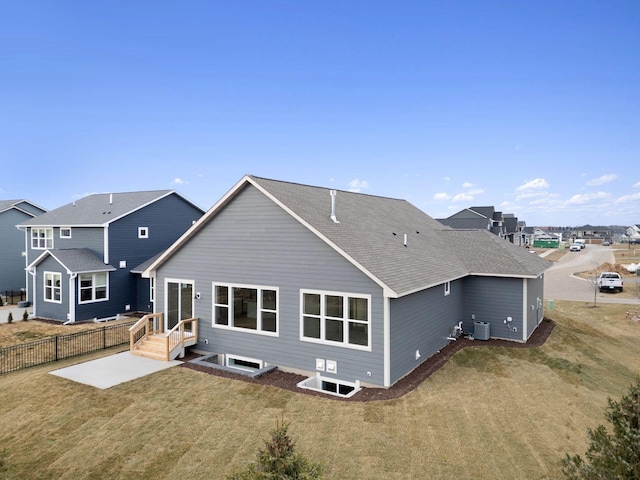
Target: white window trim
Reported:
[(143, 232), (65, 236), (260, 288), (93, 288), (345, 343), (46, 238), (447, 288), (53, 287)]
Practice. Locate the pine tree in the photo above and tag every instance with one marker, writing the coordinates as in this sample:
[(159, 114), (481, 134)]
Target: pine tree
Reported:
[(615, 453), (278, 460)]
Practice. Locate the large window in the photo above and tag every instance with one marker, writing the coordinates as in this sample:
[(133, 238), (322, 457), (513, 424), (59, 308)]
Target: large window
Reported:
[(41, 238), (94, 287), (336, 319), (246, 308), (52, 287)]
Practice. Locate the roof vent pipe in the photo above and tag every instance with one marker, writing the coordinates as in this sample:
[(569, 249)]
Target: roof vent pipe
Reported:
[(111, 199), (333, 206), (405, 239)]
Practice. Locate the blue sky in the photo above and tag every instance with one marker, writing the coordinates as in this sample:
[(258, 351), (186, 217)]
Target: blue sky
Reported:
[(530, 106)]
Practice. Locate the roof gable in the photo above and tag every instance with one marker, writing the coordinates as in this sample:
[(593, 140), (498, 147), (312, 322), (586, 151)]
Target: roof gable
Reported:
[(390, 240), (22, 205), (98, 209), (75, 260)]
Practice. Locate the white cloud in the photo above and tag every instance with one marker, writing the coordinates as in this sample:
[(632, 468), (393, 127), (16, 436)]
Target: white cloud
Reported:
[(448, 179), (442, 197), (467, 185), (357, 185), (528, 195), (628, 198), (462, 197), (178, 181), (636, 185), (604, 179), (475, 191), (581, 199), (535, 184)]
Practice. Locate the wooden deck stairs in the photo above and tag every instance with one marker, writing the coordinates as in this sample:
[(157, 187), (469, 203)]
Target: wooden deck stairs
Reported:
[(148, 338)]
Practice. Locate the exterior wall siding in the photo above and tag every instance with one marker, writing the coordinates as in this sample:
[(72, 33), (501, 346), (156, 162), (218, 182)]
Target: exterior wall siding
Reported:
[(81, 237), (253, 242), (492, 300), (421, 322), (166, 220), (535, 304), (12, 263), (57, 311)]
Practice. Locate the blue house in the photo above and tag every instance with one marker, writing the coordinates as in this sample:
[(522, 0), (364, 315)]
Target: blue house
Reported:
[(82, 257), (12, 243), (349, 289)]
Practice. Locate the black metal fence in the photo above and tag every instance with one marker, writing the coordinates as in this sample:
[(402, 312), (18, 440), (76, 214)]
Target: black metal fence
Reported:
[(12, 297), (51, 349)]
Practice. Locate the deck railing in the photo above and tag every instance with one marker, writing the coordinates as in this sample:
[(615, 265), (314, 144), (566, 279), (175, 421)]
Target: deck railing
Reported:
[(184, 333), (148, 325), (178, 335)]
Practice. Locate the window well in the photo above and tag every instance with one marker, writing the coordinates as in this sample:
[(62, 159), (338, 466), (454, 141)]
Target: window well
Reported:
[(330, 386)]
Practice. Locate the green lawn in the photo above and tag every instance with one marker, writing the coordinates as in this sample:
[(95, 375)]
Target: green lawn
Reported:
[(489, 413)]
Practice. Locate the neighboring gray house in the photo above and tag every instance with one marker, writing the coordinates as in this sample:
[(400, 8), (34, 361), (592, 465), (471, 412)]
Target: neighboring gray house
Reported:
[(486, 218), (80, 256), (12, 243), (344, 287)]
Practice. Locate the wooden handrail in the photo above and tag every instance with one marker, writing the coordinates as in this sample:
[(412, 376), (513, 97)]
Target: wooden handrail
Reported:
[(174, 340), (144, 322)]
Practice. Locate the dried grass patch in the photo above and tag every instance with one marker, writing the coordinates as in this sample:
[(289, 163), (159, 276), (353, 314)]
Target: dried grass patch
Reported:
[(21, 332), (488, 413)]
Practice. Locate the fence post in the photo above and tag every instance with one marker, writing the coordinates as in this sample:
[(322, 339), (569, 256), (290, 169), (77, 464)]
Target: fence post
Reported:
[(56, 348), (104, 338)]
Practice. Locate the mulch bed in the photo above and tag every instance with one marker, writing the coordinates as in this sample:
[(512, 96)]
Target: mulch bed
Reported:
[(288, 381)]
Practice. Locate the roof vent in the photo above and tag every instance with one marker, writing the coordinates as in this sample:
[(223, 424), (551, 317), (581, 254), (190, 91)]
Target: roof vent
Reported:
[(111, 199), (333, 206), (405, 239)]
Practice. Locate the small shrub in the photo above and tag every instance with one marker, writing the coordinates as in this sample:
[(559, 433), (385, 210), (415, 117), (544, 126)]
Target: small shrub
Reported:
[(278, 460), (10, 318), (25, 316)]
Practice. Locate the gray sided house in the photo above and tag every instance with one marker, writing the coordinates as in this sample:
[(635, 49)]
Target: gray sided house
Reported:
[(82, 257), (344, 287), (12, 246)]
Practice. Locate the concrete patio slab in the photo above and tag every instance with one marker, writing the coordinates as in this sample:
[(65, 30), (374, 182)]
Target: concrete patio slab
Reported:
[(113, 370)]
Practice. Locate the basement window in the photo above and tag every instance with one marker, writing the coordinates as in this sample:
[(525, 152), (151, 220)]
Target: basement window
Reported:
[(339, 388), (243, 363)]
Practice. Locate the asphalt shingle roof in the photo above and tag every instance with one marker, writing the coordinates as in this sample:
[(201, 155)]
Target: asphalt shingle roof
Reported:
[(78, 260), (371, 232), (96, 209)]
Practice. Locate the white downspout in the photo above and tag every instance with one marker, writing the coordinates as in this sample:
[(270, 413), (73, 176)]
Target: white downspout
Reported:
[(72, 297), (525, 309), (387, 341), (106, 245), (32, 272)]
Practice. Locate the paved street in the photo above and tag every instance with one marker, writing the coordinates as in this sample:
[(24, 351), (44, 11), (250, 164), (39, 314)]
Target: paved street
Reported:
[(560, 284)]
